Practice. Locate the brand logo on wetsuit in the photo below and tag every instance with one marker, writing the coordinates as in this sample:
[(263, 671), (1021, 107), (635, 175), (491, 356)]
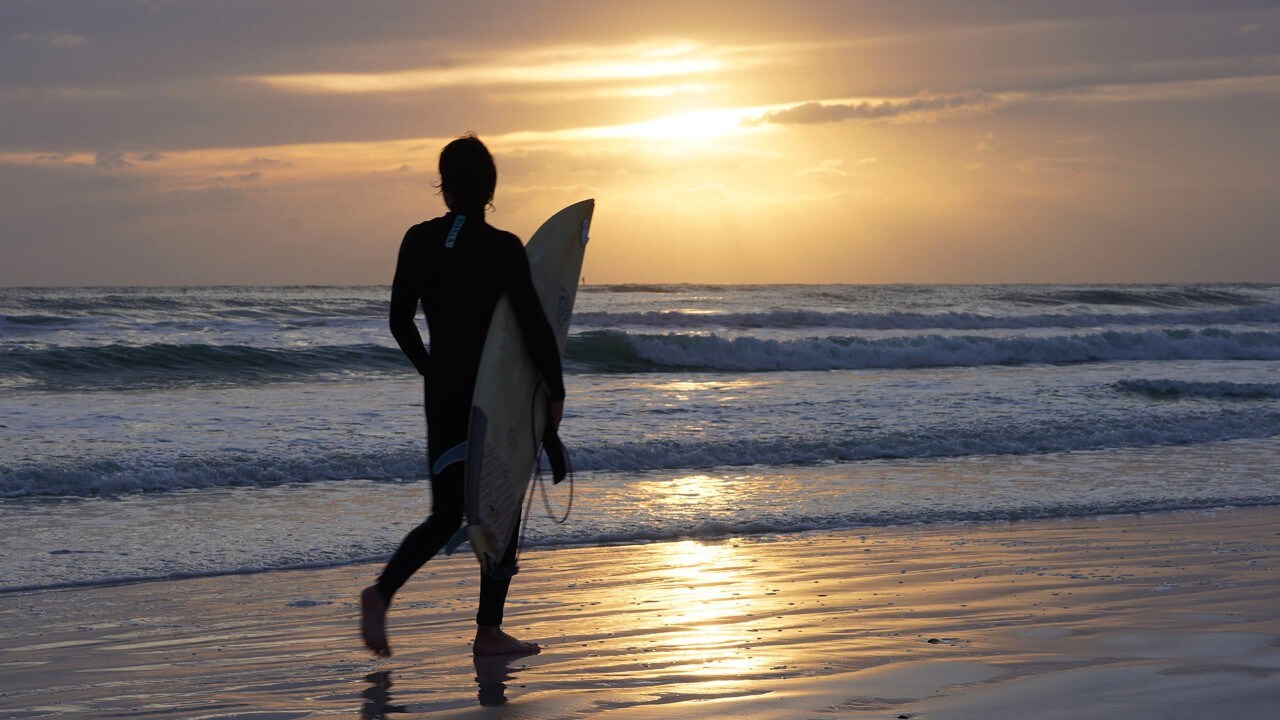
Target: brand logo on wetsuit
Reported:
[(453, 231)]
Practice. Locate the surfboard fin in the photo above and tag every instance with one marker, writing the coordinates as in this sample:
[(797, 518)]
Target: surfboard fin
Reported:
[(456, 541), (457, 453)]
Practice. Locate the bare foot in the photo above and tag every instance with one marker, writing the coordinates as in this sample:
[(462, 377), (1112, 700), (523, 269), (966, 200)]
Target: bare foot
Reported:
[(373, 621), (492, 641)]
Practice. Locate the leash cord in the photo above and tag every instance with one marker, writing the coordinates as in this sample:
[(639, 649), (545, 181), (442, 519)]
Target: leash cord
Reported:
[(538, 480)]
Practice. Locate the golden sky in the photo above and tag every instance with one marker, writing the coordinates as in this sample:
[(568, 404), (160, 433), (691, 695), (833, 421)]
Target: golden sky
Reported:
[(293, 142)]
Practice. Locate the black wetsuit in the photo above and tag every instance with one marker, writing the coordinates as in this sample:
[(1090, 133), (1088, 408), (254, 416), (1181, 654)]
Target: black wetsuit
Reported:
[(458, 266)]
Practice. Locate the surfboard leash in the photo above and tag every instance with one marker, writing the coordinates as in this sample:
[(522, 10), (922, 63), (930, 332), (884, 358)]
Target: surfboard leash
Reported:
[(542, 486), (538, 480), (537, 462)]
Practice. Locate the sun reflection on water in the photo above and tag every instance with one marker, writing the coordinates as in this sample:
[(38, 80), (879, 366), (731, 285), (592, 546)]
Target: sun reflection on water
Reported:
[(696, 385), (717, 390), (690, 491), (711, 606)]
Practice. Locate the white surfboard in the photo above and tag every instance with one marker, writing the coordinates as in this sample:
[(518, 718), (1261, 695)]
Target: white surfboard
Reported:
[(509, 408)]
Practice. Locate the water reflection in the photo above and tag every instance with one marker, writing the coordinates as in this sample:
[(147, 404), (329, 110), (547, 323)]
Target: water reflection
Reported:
[(708, 602), (377, 697), (684, 390), (492, 675), (691, 492)]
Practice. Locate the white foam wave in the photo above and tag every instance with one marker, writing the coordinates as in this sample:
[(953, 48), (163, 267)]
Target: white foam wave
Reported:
[(751, 354), (151, 474), (952, 320), (1219, 390)]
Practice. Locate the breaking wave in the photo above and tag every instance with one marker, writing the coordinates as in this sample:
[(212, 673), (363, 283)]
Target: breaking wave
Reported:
[(613, 351), (921, 321), (155, 473), (1181, 389), (166, 365)]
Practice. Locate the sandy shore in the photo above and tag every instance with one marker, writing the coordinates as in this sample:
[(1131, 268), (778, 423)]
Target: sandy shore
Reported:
[(1167, 615)]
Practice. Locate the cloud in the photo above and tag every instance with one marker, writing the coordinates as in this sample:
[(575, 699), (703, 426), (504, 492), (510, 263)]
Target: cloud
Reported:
[(268, 161), (1061, 165), (111, 159), (55, 38), (925, 102), (829, 168)]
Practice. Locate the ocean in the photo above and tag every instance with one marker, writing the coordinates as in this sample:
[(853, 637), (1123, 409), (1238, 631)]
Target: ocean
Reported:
[(151, 433)]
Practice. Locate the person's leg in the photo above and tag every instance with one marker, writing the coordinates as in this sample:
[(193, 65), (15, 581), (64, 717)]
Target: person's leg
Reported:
[(444, 429), (424, 541), (419, 546), (490, 639)]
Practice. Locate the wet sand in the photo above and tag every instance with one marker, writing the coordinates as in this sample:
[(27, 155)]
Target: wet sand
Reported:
[(1163, 615)]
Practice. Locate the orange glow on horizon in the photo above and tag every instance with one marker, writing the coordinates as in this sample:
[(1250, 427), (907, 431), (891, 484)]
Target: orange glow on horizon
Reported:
[(723, 144)]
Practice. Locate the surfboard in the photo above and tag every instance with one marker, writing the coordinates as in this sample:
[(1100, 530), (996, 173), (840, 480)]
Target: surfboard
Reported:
[(509, 408)]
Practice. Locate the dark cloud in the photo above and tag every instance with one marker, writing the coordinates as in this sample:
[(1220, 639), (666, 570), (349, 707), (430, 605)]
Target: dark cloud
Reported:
[(111, 159), (54, 38), (816, 112), (240, 177)]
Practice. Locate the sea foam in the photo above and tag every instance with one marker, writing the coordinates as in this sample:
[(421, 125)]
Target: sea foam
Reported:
[(613, 351)]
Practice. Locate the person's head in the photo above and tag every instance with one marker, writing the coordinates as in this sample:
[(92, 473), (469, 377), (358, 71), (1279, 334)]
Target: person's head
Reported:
[(467, 174)]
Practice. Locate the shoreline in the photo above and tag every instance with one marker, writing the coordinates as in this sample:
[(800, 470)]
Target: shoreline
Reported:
[(554, 546), (1116, 616)]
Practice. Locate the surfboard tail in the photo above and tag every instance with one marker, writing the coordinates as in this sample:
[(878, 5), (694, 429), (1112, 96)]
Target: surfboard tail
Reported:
[(491, 564), (480, 543)]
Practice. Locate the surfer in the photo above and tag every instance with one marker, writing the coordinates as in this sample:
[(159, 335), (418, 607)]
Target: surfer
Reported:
[(458, 266)]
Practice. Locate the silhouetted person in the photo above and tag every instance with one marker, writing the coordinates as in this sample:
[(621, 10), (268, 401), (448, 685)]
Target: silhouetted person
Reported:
[(458, 266)]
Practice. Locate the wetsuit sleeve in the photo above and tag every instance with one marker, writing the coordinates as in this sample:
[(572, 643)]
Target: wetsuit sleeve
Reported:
[(404, 305), (533, 323)]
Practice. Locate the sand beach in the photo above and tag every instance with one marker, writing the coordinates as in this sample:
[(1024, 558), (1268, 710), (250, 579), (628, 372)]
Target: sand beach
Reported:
[(1159, 615)]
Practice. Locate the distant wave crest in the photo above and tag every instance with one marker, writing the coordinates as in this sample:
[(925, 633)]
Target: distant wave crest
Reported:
[(117, 366), (613, 351), (921, 321), (160, 365), (1157, 297), (1181, 389)]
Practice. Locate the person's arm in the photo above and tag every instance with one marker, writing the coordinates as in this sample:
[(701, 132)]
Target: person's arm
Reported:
[(536, 329), (404, 305)]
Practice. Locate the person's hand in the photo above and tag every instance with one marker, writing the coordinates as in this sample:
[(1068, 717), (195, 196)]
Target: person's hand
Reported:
[(555, 413)]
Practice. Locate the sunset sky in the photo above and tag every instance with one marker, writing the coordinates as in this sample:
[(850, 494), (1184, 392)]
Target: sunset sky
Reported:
[(263, 142)]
